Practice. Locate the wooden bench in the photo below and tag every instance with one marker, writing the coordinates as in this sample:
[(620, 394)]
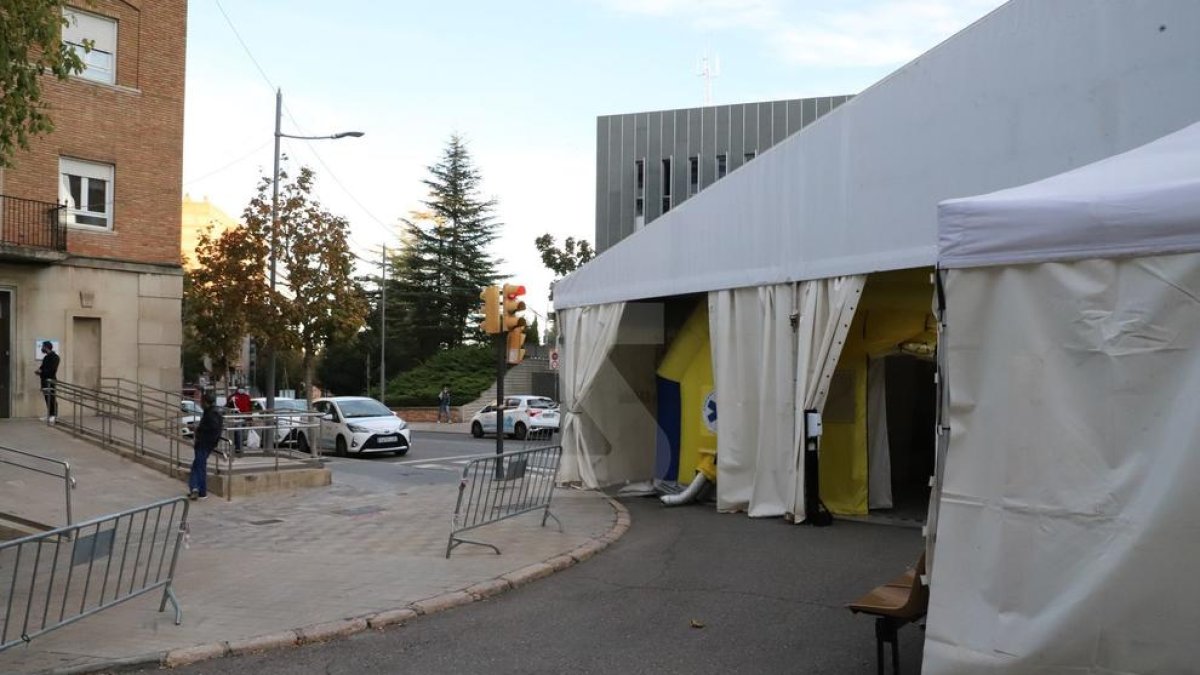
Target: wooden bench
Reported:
[(902, 600)]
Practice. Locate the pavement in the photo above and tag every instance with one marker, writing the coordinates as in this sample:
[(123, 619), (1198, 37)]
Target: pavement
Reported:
[(286, 568)]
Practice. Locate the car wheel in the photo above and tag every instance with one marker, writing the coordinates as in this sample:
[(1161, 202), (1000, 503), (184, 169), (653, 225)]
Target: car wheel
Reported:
[(341, 446), (302, 443), (477, 430), (519, 431)]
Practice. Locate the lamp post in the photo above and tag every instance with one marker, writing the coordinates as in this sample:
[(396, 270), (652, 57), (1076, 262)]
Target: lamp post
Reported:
[(275, 224)]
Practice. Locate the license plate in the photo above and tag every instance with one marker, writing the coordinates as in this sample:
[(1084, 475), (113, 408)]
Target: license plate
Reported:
[(386, 439)]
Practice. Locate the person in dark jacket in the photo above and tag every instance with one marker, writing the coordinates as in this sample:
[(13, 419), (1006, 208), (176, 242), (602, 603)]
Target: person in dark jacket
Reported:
[(48, 371), (206, 435)]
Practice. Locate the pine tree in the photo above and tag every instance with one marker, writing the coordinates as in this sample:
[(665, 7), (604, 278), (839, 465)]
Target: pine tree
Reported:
[(447, 261)]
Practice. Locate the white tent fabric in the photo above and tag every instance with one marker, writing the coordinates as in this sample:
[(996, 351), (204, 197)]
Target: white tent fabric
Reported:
[(879, 456), (826, 310), (754, 358), (1066, 525), (766, 372), (1142, 202), (1066, 537), (589, 335)]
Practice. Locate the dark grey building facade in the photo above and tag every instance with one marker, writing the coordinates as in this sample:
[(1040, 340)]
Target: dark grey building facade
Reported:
[(650, 162)]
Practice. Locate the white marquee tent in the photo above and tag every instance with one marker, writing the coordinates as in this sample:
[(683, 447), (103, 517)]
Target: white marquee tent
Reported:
[(1066, 529)]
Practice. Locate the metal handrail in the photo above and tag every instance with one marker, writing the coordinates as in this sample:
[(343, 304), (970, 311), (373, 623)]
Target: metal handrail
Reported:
[(122, 406), (68, 480)]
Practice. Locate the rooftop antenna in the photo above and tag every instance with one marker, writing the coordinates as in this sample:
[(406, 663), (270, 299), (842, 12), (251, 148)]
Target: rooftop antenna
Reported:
[(709, 71)]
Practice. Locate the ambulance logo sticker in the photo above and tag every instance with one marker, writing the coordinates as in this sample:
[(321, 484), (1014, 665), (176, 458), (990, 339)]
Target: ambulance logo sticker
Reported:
[(710, 411)]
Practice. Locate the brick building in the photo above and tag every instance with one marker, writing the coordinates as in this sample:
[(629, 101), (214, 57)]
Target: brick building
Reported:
[(89, 215)]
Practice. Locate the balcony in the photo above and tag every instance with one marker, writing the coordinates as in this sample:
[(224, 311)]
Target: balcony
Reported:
[(31, 231)]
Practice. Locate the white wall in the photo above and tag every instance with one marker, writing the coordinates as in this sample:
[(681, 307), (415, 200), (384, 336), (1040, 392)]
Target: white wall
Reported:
[(1033, 89)]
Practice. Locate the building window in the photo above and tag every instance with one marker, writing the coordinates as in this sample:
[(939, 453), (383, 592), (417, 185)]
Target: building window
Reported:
[(722, 166), (666, 185), (87, 190), (639, 170), (749, 156), (693, 175), (99, 63)]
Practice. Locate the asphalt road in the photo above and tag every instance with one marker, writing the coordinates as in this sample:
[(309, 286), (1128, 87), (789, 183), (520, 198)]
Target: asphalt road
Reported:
[(686, 590), (435, 457)]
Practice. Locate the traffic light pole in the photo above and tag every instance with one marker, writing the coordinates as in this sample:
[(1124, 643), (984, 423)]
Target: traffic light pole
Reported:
[(501, 345)]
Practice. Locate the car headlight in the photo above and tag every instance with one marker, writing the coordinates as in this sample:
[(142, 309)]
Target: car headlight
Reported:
[(403, 426), (358, 429)]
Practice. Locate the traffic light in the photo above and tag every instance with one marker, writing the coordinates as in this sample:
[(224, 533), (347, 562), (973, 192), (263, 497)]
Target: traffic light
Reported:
[(516, 339), (512, 305), (490, 310)]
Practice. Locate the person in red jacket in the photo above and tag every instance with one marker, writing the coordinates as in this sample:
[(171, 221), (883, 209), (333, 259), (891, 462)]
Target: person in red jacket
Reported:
[(241, 404)]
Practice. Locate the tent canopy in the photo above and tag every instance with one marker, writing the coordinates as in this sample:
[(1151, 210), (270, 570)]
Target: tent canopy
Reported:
[(1143, 202)]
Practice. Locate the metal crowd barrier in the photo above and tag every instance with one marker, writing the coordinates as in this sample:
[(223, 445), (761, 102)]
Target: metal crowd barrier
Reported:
[(64, 575), (499, 487), (14, 457), (268, 426)]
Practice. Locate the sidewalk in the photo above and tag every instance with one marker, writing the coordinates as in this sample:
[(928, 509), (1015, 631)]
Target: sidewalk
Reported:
[(264, 566)]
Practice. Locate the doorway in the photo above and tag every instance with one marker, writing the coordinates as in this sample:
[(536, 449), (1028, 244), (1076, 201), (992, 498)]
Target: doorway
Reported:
[(85, 352), (910, 393), (6, 355)]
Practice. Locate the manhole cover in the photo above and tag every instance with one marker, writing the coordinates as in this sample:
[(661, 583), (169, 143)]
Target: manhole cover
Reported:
[(269, 521), (360, 511)]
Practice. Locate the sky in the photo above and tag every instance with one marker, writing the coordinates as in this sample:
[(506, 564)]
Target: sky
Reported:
[(521, 81)]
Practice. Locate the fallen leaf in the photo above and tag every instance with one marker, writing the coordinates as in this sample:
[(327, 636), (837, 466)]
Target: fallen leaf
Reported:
[(697, 624)]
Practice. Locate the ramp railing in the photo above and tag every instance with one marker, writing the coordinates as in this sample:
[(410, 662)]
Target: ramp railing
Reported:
[(59, 577), (498, 487), (140, 419)]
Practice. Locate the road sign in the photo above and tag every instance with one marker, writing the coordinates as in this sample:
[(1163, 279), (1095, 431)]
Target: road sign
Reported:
[(554, 359)]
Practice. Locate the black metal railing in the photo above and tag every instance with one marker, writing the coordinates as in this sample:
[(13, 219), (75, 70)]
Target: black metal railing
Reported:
[(31, 223)]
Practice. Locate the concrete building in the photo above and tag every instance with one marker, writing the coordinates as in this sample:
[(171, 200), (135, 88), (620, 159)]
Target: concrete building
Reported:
[(197, 218), (650, 162), (89, 224)]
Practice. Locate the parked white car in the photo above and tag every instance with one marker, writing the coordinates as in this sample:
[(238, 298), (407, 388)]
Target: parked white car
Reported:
[(522, 414), (288, 426), (359, 425), (191, 416)]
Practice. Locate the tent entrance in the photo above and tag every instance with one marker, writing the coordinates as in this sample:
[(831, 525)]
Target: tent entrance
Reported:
[(902, 398)]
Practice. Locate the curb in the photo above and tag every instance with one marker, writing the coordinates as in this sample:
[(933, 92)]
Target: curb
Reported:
[(332, 630)]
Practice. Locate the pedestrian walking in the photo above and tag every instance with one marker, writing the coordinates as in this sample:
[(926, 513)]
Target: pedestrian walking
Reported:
[(444, 404), (48, 371), (206, 436)]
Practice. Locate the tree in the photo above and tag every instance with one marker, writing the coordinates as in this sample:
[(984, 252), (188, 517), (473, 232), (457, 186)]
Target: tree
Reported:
[(563, 261), (225, 295), (317, 300), (30, 44), (533, 335), (439, 273)]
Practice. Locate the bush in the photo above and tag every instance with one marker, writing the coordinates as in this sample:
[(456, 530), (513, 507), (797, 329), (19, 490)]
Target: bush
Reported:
[(468, 371)]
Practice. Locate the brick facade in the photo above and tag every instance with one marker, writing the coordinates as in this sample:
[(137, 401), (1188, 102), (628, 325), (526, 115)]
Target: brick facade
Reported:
[(135, 125)]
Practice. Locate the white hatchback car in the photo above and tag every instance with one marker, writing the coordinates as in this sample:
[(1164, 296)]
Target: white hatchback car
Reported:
[(522, 414), (360, 425)]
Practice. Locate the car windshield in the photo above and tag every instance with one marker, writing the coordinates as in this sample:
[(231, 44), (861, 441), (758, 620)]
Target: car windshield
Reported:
[(541, 403), (363, 408)]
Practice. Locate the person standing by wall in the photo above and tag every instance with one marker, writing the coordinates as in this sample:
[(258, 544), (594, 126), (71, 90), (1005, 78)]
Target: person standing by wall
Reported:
[(444, 404), (48, 371), (206, 437)]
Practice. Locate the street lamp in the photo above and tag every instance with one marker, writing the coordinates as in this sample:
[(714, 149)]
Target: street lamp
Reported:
[(275, 221)]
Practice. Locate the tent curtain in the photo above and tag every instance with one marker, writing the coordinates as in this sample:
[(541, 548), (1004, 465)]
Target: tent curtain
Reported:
[(588, 337), (774, 352), (826, 309), (1066, 536), (754, 356), (879, 458)]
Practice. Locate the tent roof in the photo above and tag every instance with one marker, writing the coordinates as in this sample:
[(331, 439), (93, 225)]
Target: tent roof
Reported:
[(1142, 202), (1033, 89)]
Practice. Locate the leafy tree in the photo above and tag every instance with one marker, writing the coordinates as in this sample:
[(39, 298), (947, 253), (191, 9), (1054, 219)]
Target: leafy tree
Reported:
[(533, 336), (30, 44), (225, 295), (563, 261), (439, 273), (317, 300)]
